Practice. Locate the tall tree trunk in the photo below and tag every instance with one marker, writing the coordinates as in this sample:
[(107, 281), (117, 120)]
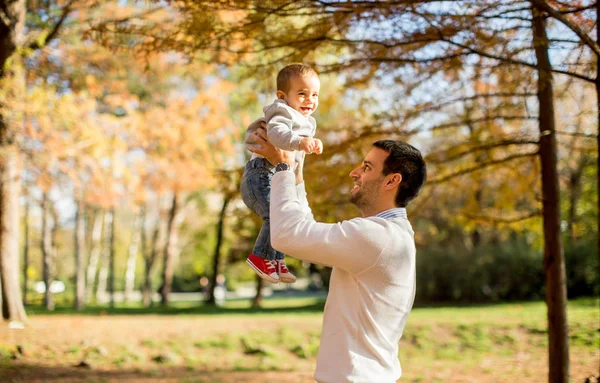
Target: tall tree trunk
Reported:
[(11, 34), (46, 248), (79, 255), (12, 303), (217, 255), (258, 297), (53, 242), (477, 178), (598, 138), (574, 190), (149, 260), (554, 263), (101, 295), (26, 253), (132, 257), (574, 183), (111, 275), (169, 254), (95, 253)]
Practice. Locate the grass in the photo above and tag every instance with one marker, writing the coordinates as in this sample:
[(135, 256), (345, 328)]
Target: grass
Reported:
[(492, 343), (293, 306)]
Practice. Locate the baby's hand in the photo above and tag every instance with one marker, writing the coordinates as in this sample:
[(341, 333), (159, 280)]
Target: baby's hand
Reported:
[(318, 146), (307, 144)]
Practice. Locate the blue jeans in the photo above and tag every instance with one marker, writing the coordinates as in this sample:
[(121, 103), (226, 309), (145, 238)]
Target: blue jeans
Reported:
[(256, 194)]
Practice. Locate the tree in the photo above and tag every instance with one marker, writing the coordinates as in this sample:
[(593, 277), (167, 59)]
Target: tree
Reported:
[(95, 251), (132, 256), (556, 295), (45, 22), (229, 191), (194, 138), (80, 263), (169, 253), (11, 37), (14, 38)]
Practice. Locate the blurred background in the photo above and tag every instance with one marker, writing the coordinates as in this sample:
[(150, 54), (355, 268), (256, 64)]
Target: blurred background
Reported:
[(121, 150)]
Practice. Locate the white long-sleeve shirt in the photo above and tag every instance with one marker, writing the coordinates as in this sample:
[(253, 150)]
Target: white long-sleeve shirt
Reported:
[(372, 286)]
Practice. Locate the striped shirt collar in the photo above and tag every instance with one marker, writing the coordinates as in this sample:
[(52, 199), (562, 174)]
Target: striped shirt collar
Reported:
[(397, 212)]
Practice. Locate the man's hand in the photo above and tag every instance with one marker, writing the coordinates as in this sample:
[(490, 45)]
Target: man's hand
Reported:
[(269, 151)]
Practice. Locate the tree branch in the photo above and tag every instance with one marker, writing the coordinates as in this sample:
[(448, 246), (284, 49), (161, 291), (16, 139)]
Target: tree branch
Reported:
[(542, 5), (35, 45), (480, 120), (445, 156), (430, 108), (484, 218), (576, 134), (480, 166), (514, 61)]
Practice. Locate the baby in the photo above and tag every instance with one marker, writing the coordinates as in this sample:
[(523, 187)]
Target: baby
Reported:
[(290, 126)]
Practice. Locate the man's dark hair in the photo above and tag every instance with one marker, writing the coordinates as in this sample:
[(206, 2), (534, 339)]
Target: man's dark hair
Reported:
[(406, 160)]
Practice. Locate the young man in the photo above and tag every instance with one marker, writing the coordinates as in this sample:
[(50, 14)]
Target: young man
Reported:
[(372, 286)]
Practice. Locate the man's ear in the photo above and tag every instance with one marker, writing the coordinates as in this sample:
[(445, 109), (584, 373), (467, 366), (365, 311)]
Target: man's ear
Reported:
[(393, 180), (280, 94)]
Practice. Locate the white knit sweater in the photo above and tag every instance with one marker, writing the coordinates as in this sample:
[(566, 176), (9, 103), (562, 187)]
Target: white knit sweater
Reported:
[(372, 286)]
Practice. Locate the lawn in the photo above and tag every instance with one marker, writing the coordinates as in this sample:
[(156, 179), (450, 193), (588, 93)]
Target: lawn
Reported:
[(194, 343)]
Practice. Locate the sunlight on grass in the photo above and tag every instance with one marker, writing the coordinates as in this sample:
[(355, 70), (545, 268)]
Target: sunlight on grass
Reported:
[(508, 339)]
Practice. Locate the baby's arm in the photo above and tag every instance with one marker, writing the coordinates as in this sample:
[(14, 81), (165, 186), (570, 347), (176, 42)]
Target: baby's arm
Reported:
[(279, 130)]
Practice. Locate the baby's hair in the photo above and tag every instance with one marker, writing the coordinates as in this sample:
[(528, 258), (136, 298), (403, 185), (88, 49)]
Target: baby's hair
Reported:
[(290, 72)]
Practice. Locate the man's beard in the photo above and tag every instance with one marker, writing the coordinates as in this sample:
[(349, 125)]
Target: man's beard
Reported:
[(365, 194)]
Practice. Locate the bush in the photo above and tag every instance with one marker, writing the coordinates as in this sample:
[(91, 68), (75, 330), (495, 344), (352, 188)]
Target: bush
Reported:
[(510, 270)]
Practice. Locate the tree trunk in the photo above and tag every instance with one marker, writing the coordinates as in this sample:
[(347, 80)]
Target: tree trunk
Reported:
[(554, 263), (11, 34), (12, 304), (217, 255), (574, 183), (169, 254), (132, 257), (149, 260), (105, 250), (598, 139), (79, 255), (95, 252), (574, 191), (26, 253), (258, 297), (111, 275), (477, 178), (46, 248)]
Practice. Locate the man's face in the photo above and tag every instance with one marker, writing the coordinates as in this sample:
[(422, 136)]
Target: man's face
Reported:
[(368, 179), (303, 94)]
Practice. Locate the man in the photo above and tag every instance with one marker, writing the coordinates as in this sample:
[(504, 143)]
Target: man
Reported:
[(372, 284)]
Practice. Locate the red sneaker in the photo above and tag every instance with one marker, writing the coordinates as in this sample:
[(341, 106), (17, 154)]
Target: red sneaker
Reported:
[(266, 269), (284, 274)]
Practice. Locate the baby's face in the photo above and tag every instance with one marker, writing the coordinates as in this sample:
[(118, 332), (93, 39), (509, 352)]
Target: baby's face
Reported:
[(303, 94)]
